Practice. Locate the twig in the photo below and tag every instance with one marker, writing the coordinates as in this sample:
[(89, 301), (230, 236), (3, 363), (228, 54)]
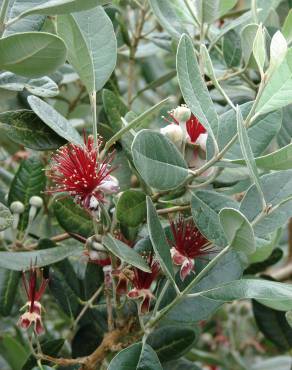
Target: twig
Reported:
[(173, 209)]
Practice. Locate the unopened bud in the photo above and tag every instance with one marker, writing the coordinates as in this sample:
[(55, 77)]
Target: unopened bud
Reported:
[(36, 201), (17, 207), (182, 113), (174, 133), (97, 256)]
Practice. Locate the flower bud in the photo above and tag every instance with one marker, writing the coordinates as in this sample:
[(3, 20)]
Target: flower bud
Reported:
[(182, 113), (97, 256), (17, 207), (174, 133), (109, 185), (36, 201)]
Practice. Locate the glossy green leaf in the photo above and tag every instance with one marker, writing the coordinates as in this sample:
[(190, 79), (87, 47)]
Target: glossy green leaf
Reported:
[(158, 161), (28, 181), (277, 188), (9, 347), (138, 121), (238, 230), (53, 7), (64, 294), (159, 241), (54, 120), (135, 357), (8, 289), (44, 86), (174, 16), (114, 108), (192, 310), (206, 206), (24, 127), (131, 208), (269, 293), (278, 91), (125, 253), (51, 348), (19, 261), (273, 324), (6, 217), (232, 48), (73, 218), (92, 45), (193, 88), (171, 342), (247, 153), (25, 53)]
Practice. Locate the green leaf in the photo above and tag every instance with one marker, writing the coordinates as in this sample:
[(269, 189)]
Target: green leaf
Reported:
[(54, 120), (273, 324), (50, 348), (248, 154), (136, 357), (226, 5), (73, 218), (131, 208), (277, 188), (27, 24), (238, 230), (158, 161), (159, 241), (173, 15), (28, 181), (24, 127), (92, 45), (287, 27), (247, 36), (24, 53), (288, 316), (114, 108), (206, 206), (9, 347), (181, 364), (6, 217), (19, 261), (125, 253), (44, 86), (8, 289), (192, 310), (171, 342), (269, 293), (138, 121), (285, 134), (278, 91), (255, 268), (260, 134), (64, 294), (54, 7), (278, 160), (259, 48), (193, 88), (232, 49), (208, 10), (265, 247)]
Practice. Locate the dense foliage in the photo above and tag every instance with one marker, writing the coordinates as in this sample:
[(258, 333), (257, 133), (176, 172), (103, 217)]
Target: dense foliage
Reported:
[(145, 180)]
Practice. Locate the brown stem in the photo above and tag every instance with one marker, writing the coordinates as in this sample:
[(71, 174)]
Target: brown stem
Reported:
[(56, 239)]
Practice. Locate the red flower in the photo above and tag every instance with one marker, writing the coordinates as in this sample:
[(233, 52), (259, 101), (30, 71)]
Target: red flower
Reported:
[(33, 306), (142, 281), (76, 169), (187, 245), (194, 128)]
